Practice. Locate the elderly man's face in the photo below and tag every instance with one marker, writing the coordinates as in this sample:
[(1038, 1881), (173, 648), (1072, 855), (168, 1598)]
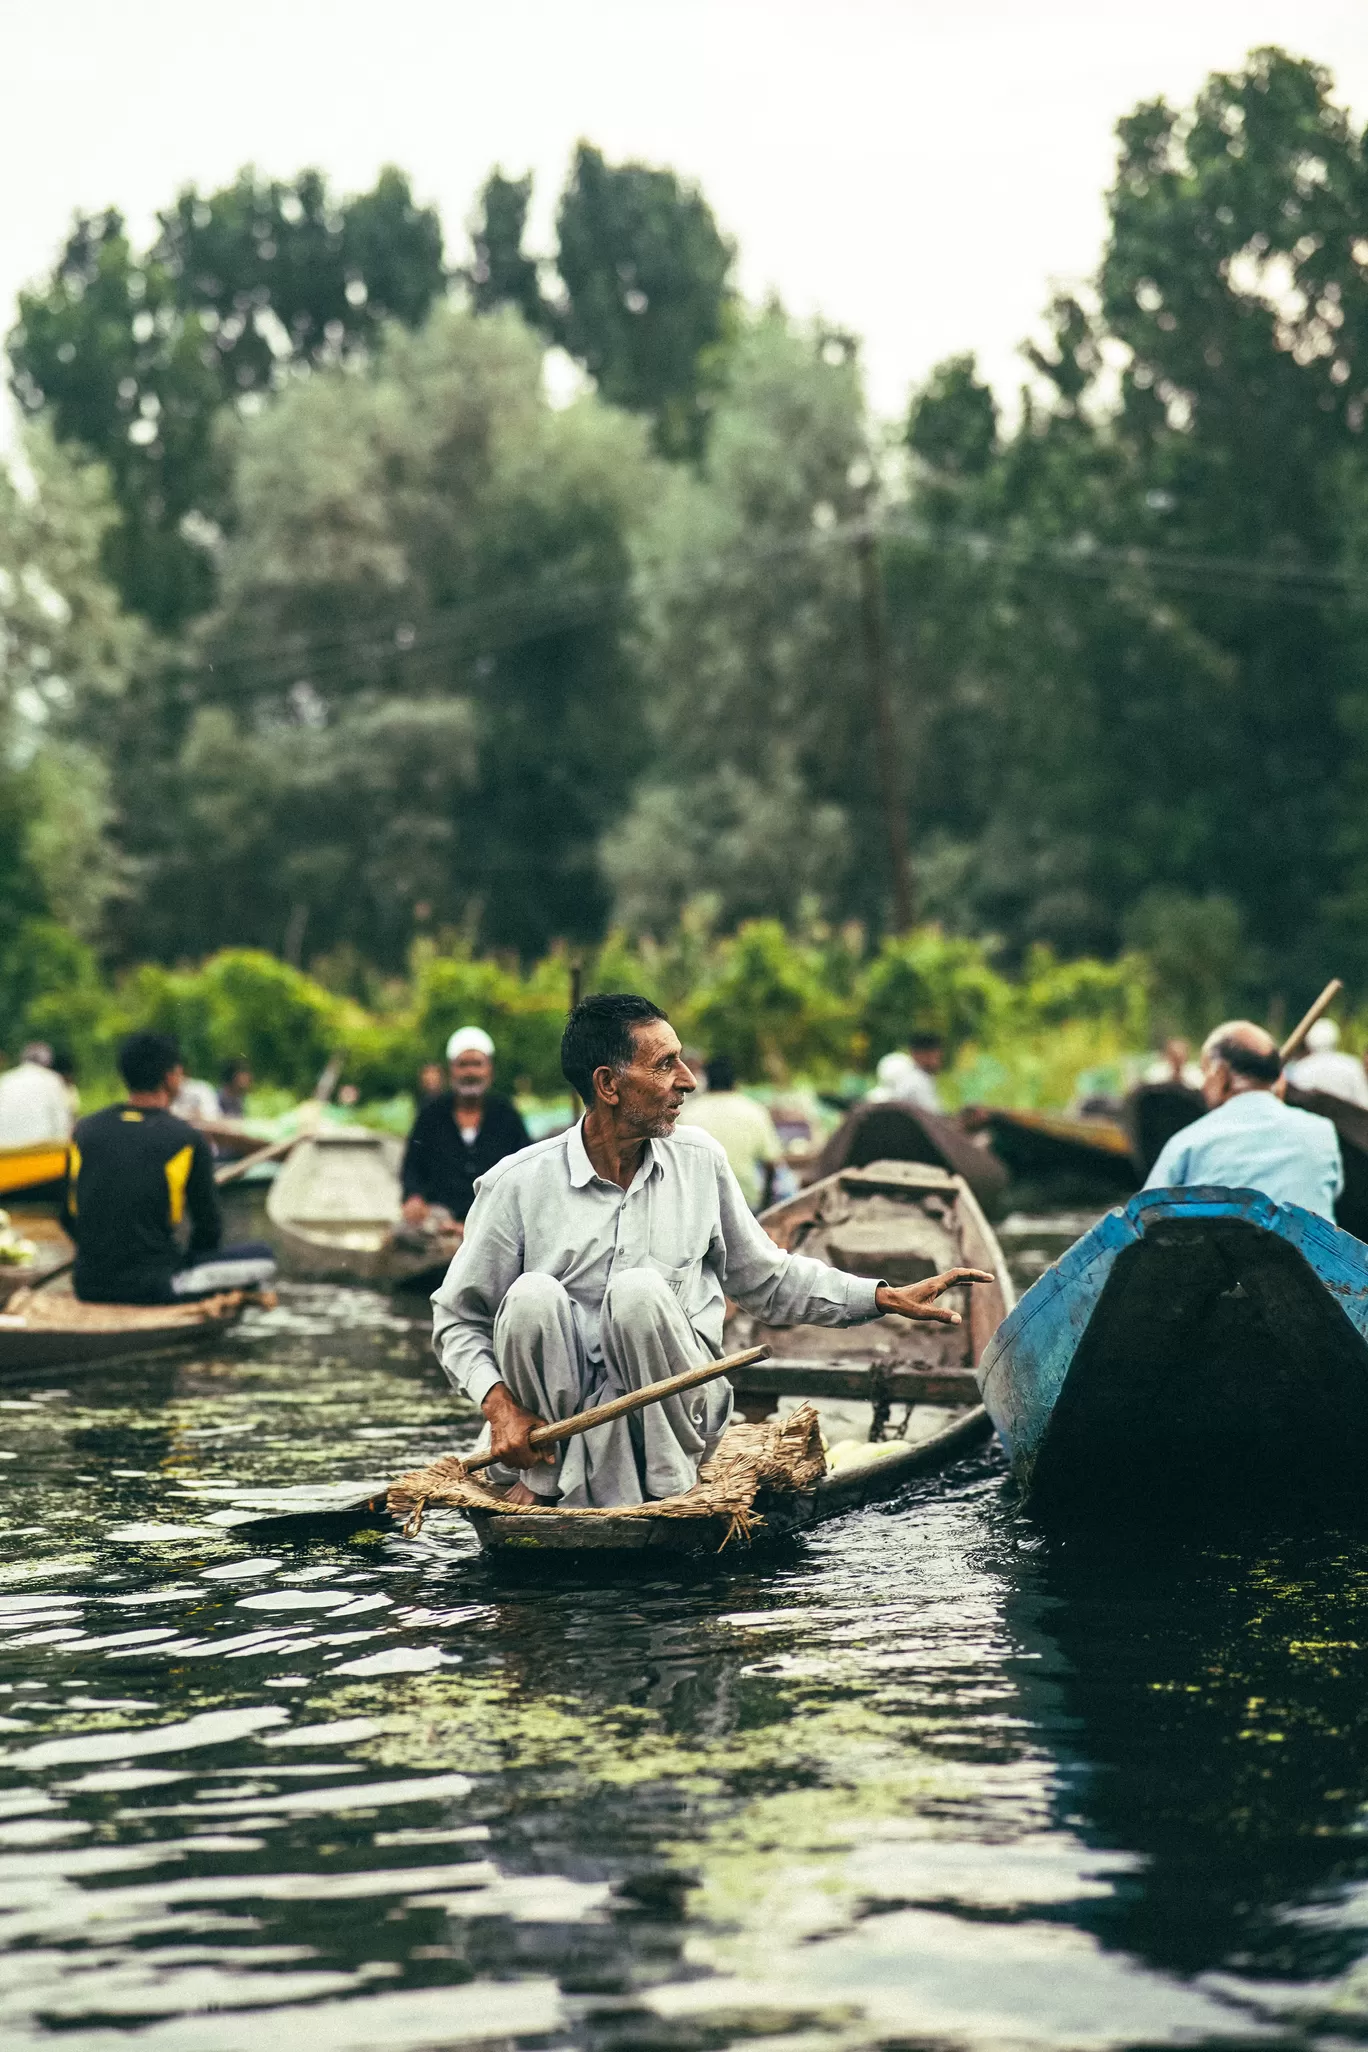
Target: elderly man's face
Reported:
[(648, 1094), (471, 1075)]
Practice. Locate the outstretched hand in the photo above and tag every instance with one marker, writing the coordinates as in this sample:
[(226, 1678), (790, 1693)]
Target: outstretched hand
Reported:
[(917, 1300)]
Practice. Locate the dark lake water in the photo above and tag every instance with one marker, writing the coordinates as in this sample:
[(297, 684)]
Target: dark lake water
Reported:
[(926, 1779)]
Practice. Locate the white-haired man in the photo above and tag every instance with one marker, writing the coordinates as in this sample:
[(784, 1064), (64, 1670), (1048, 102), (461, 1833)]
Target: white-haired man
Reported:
[(1249, 1139), (460, 1134), (1328, 1068)]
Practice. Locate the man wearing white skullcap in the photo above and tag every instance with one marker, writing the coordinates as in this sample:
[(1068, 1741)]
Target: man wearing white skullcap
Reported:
[(460, 1134), (1328, 1068)]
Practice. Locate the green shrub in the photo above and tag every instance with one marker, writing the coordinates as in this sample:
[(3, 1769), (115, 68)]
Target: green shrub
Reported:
[(930, 982), (765, 1005)]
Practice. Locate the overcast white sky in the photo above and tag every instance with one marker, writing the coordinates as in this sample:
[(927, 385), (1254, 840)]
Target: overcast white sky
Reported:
[(921, 171)]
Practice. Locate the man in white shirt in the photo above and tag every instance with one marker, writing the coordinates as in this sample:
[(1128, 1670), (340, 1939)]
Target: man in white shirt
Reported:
[(1250, 1139), (743, 1127), (1328, 1068), (33, 1100), (600, 1260)]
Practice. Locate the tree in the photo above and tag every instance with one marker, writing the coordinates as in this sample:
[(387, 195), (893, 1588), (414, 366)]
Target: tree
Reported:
[(65, 652), (648, 295), (415, 708), (136, 358), (501, 273), (761, 792)]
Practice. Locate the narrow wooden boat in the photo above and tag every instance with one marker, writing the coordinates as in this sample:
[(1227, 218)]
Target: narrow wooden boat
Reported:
[(37, 1170), (1152, 1114), (902, 1132), (336, 1205), (1350, 1121), (1198, 1346), (898, 1220), (50, 1328), (1049, 1147)]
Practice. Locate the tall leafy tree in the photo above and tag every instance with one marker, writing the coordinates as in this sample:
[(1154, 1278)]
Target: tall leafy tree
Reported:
[(501, 272), (648, 292), (137, 357), (417, 707)]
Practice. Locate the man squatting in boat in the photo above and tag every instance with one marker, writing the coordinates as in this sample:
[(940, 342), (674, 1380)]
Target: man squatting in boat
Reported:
[(135, 1172), (599, 1261), (1249, 1139)]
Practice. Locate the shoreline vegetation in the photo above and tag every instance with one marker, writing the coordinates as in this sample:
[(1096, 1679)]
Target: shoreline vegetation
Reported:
[(815, 1008)]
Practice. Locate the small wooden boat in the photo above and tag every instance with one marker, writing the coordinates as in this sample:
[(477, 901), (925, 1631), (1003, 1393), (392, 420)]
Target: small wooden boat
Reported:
[(51, 1250), (1196, 1346), (898, 1220), (889, 1131), (37, 1170), (50, 1328), (1350, 1121), (336, 1205), (1152, 1114), (1049, 1147)]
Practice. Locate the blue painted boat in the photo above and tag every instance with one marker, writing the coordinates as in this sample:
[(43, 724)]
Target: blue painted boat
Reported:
[(1195, 1344)]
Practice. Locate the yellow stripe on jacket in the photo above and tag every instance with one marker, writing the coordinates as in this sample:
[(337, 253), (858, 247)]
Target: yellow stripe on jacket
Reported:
[(177, 1176)]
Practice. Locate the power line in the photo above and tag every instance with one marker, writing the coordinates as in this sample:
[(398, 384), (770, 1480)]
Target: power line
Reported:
[(553, 605)]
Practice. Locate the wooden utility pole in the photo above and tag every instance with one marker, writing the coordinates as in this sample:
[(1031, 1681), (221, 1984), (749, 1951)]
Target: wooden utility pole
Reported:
[(874, 633)]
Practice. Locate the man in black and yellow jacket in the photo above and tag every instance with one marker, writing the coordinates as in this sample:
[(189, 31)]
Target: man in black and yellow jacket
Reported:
[(135, 1174)]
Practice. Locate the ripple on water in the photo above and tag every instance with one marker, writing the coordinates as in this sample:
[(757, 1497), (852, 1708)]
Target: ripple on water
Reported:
[(923, 1779)]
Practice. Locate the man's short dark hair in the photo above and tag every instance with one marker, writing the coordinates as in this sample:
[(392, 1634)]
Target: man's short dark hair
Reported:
[(1248, 1061), (598, 1035), (721, 1073), (147, 1059)]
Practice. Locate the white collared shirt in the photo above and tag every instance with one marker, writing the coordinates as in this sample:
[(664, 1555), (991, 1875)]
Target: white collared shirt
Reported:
[(547, 1211)]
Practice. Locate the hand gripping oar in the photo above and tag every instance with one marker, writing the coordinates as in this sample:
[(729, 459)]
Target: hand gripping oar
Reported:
[(1300, 1031), (635, 1400)]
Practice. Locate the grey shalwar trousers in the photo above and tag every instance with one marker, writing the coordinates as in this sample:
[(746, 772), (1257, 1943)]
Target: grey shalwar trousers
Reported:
[(645, 1337)]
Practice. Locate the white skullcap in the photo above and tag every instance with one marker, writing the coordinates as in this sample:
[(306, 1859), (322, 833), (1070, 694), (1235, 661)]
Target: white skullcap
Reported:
[(468, 1039), (1323, 1036)]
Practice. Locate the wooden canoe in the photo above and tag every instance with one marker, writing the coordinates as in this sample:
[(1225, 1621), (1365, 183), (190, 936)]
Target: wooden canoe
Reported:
[(896, 1219), (1196, 1347), (1350, 1121), (335, 1206), (1077, 1155), (890, 1131), (1152, 1114), (35, 1170), (51, 1329)]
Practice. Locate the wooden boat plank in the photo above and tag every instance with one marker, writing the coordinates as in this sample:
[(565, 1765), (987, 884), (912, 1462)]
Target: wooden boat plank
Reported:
[(868, 1382), (902, 1132)]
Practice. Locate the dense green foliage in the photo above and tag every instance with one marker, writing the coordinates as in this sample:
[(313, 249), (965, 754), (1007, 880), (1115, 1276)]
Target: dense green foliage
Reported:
[(436, 657), (783, 1005)]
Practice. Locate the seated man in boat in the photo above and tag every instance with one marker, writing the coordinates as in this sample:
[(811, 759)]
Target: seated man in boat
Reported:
[(33, 1100), (135, 1173), (600, 1260), (458, 1134), (1250, 1139)]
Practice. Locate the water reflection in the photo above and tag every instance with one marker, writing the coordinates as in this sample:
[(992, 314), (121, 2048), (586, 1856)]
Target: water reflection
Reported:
[(923, 1777)]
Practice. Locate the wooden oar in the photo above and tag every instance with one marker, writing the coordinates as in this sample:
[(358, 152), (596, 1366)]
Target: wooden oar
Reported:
[(1303, 1027), (635, 1400), (231, 1170), (229, 1173)]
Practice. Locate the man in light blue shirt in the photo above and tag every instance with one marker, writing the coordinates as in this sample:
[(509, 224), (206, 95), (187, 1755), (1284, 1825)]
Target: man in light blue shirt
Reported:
[(1250, 1139)]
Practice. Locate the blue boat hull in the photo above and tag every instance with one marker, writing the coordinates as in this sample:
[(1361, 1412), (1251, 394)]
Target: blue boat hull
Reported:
[(1196, 1344)]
